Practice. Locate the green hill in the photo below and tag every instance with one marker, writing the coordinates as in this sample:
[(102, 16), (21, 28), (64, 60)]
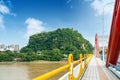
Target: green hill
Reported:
[(59, 42)]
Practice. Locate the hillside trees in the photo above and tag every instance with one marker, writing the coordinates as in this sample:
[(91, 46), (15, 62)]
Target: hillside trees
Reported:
[(56, 43)]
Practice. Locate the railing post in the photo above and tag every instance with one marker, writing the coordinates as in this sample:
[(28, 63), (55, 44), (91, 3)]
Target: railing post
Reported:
[(87, 59), (70, 69), (81, 69), (84, 61)]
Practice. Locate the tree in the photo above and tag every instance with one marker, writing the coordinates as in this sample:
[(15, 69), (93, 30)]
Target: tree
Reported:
[(65, 40), (51, 55), (26, 50)]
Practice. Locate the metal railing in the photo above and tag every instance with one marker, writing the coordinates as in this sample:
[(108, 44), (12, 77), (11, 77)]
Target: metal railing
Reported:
[(86, 59), (115, 69)]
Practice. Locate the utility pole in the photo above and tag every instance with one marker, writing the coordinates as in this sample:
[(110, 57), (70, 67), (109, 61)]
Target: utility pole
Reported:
[(103, 30)]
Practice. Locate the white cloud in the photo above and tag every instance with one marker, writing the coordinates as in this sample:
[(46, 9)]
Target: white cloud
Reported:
[(13, 14), (98, 6), (88, 0), (33, 26), (68, 1), (4, 9), (1, 23)]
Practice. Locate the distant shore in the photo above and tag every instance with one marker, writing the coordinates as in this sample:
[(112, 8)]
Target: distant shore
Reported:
[(40, 61)]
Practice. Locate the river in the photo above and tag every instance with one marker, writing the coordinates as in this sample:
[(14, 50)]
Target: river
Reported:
[(27, 70)]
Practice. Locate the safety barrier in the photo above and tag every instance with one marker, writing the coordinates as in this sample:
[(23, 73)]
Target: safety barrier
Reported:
[(115, 69), (83, 59)]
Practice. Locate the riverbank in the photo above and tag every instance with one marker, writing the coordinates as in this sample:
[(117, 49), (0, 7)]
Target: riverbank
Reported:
[(40, 61)]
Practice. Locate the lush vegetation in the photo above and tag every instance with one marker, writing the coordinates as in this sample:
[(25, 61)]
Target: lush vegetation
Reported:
[(56, 44), (17, 56), (51, 46)]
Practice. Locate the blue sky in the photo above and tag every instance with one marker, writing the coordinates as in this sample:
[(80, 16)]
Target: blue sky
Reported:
[(21, 18)]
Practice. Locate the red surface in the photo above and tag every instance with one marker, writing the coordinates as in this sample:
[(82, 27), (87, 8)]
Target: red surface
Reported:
[(114, 40), (96, 45)]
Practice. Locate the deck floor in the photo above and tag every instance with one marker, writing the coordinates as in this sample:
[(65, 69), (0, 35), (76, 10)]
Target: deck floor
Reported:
[(96, 70)]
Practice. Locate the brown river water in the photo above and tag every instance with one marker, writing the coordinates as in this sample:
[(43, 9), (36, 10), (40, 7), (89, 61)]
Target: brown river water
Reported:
[(28, 70)]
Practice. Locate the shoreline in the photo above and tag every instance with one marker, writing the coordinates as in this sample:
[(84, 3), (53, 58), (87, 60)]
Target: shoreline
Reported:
[(37, 62)]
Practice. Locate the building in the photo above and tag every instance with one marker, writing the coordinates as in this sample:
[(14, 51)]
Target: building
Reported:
[(12, 47), (16, 47)]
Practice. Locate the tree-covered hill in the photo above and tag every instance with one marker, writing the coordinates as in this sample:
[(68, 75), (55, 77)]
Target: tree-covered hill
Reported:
[(63, 41)]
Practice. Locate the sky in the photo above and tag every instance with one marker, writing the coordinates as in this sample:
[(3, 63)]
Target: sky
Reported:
[(20, 19)]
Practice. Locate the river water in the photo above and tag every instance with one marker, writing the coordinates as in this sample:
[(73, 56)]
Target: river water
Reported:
[(27, 70)]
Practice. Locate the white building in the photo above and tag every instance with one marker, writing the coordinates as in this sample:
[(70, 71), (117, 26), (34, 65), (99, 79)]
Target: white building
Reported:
[(12, 47)]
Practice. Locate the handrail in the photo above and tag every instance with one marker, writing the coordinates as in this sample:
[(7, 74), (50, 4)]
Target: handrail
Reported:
[(52, 73), (68, 66), (114, 66)]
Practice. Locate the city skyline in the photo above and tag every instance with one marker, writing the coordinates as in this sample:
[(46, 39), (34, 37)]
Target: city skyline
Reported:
[(11, 47), (18, 22)]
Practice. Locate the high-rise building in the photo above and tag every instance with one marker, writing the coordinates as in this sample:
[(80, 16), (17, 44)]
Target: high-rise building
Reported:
[(16, 47), (12, 47), (2, 47)]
